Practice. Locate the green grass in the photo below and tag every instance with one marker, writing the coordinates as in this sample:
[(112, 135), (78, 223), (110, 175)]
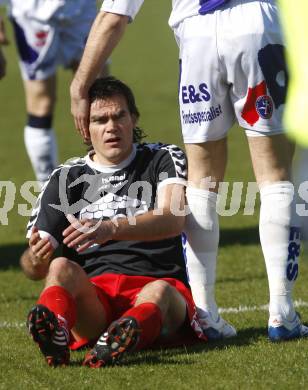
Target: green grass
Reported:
[(147, 60)]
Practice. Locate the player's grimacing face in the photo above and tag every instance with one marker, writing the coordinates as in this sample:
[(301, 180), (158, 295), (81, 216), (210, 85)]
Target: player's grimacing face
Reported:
[(111, 129)]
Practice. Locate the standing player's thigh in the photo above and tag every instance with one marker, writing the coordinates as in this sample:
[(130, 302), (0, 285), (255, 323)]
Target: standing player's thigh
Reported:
[(271, 158), (207, 163), (205, 108), (74, 35), (40, 96), (251, 43)]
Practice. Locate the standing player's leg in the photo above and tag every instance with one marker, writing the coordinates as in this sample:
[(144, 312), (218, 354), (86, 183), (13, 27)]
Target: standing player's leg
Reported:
[(206, 116), (206, 168), (37, 44), (259, 87), (39, 136), (279, 231)]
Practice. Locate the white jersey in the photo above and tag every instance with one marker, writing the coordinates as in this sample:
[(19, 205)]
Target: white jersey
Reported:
[(230, 69), (122, 7), (181, 9), (44, 10)]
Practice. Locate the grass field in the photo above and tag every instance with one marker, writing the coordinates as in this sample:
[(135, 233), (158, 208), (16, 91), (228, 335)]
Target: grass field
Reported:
[(147, 60)]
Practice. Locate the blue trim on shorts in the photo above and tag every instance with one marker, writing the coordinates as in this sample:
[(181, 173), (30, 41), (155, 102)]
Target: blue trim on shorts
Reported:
[(26, 52), (210, 5)]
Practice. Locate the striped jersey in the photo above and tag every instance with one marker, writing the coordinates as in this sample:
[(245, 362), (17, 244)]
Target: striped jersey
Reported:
[(89, 190)]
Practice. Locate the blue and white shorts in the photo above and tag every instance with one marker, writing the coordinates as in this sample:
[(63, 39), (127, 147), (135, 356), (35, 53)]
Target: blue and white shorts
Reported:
[(232, 67), (43, 44)]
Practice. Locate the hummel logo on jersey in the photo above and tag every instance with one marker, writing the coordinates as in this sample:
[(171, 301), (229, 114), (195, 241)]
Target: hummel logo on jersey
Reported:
[(113, 178)]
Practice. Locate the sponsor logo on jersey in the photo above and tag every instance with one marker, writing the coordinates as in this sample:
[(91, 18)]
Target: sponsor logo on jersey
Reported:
[(200, 117), (193, 94), (293, 253), (264, 106)]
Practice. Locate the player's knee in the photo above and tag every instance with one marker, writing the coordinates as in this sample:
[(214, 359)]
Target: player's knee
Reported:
[(61, 270), (40, 122), (59, 264), (157, 291), (41, 105)]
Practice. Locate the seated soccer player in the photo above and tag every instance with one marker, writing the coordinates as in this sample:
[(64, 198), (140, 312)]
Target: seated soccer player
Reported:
[(118, 215)]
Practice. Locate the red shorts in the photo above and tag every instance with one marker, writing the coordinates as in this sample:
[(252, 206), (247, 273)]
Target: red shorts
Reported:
[(118, 293)]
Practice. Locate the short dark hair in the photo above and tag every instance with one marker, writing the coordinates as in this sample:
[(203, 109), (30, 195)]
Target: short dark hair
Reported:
[(106, 87)]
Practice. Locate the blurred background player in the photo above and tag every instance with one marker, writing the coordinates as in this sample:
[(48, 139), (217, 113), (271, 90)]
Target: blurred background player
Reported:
[(232, 67), (48, 33), (294, 22)]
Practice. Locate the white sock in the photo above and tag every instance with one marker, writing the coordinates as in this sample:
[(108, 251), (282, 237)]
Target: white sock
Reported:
[(201, 246), (280, 240), (41, 147)]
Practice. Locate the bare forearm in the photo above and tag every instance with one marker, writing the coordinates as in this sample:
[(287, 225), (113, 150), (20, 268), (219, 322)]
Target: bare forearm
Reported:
[(105, 34), (164, 222), (149, 227), (32, 269)]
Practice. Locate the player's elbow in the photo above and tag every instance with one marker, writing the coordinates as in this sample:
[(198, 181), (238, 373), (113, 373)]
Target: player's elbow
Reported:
[(114, 22)]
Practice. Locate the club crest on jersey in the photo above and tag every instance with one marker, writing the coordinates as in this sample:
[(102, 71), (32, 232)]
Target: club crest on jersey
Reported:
[(41, 38), (258, 104), (264, 106)]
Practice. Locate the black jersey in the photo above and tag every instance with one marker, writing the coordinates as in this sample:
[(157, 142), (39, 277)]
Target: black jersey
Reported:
[(89, 190)]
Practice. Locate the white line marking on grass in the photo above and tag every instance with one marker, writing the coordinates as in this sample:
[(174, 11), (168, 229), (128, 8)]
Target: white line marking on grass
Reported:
[(11, 325), (236, 310), (244, 309)]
